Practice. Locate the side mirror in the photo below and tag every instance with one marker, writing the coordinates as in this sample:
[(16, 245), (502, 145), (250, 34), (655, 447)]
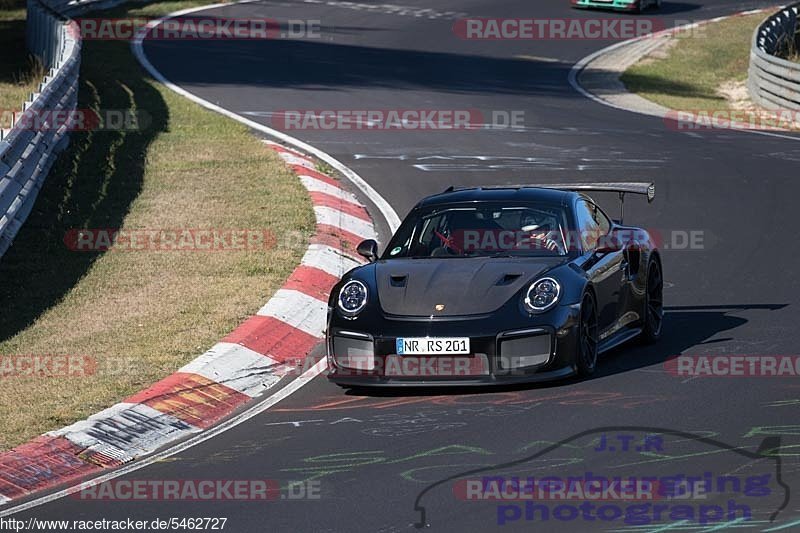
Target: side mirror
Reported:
[(608, 244), (368, 249)]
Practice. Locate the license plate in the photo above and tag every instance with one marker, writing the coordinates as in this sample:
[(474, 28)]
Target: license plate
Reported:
[(432, 345)]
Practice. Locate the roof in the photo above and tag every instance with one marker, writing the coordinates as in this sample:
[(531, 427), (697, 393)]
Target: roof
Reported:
[(498, 194)]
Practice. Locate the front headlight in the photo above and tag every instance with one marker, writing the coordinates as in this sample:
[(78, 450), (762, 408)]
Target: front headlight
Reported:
[(352, 297), (542, 295)]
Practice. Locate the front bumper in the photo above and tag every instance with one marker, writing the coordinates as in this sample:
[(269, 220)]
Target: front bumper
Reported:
[(497, 354)]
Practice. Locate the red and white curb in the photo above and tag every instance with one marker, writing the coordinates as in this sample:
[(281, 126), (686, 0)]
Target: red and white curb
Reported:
[(245, 364)]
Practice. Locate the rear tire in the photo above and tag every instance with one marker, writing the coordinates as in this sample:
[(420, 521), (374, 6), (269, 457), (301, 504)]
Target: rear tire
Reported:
[(654, 304), (586, 356)]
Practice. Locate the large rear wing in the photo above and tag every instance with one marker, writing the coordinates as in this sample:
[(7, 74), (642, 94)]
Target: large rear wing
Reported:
[(622, 187), (634, 187), (647, 189)]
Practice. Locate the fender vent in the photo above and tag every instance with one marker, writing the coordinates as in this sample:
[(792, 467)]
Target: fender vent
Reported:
[(508, 279), (398, 281)]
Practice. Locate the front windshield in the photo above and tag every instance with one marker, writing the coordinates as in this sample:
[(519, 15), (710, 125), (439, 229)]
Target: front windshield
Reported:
[(525, 230)]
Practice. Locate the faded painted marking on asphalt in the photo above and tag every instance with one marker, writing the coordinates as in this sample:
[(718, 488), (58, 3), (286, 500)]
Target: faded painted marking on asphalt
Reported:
[(391, 9)]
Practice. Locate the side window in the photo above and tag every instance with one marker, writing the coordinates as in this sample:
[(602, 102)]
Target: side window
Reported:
[(602, 221), (592, 224)]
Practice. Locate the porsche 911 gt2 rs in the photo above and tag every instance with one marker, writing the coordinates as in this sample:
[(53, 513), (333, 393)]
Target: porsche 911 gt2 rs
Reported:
[(483, 286)]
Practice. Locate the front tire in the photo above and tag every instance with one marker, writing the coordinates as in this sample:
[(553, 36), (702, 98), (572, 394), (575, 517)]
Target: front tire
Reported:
[(654, 304), (586, 357)]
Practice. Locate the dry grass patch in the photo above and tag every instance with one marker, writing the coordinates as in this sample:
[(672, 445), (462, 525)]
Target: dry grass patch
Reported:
[(140, 315), (689, 76), (20, 74)]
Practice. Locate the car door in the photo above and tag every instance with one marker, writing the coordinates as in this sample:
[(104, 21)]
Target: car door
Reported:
[(605, 270)]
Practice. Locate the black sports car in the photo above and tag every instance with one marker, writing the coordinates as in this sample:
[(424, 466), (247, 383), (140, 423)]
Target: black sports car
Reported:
[(496, 285)]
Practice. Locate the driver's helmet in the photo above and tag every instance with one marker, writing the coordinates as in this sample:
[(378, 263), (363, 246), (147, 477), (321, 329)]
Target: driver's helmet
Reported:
[(534, 221)]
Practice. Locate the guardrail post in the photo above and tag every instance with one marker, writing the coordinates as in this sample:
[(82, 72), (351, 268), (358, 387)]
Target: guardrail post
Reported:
[(26, 154), (774, 82)]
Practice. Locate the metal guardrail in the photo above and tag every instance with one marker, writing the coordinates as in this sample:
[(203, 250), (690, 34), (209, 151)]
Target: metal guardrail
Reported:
[(26, 152), (774, 82)]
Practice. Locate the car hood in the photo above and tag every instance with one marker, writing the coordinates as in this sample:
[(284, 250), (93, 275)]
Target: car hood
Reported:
[(472, 286)]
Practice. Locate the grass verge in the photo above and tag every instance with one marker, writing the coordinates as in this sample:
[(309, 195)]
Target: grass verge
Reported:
[(139, 315), (20, 74), (704, 72)]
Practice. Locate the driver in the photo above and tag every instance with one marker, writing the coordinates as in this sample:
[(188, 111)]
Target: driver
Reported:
[(540, 231)]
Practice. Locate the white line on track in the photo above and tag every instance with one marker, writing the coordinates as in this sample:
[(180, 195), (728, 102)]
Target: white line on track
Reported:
[(380, 202), (385, 208)]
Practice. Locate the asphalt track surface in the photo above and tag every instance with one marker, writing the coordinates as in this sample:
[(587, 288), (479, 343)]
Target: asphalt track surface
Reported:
[(377, 460)]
